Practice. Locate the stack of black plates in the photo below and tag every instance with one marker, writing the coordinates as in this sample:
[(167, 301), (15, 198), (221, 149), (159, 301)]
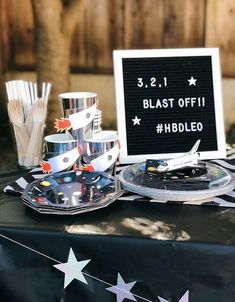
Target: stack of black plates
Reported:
[(71, 192)]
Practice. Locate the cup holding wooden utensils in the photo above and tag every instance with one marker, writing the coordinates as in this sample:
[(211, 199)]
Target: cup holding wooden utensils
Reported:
[(27, 112)]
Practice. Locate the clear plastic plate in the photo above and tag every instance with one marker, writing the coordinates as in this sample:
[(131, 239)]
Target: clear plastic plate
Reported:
[(221, 182)]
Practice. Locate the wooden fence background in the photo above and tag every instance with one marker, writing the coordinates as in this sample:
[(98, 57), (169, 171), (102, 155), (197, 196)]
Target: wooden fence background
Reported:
[(124, 24)]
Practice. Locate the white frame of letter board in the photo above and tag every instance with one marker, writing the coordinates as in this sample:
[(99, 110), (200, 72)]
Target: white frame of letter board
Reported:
[(118, 55)]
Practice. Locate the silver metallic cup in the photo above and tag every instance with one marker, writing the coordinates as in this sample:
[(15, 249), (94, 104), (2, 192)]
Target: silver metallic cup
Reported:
[(73, 102), (56, 144), (102, 150)]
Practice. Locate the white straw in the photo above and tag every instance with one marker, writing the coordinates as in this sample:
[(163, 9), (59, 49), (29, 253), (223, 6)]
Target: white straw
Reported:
[(26, 104), (31, 90), (48, 89), (35, 91), (12, 89), (8, 91), (27, 94), (43, 90)]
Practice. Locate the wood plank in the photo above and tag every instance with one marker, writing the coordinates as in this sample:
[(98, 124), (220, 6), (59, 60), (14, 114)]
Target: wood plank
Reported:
[(184, 23), (79, 45), (143, 23), (220, 32), (4, 35), (116, 24), (22, 33), (5, 134), (104, 32)]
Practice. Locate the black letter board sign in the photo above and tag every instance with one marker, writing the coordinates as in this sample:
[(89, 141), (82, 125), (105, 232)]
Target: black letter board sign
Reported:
[(166, 100)]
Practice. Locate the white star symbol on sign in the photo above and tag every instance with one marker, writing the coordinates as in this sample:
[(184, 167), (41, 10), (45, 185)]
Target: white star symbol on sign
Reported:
[(122, 289), (184, 298), (192, 81), (72, 269), (136, 120)]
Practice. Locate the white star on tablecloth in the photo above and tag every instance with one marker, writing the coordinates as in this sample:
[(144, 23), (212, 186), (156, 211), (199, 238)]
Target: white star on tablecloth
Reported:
[(192, 81), (136, 120), (122, 289), (72, 269), (184, 298)]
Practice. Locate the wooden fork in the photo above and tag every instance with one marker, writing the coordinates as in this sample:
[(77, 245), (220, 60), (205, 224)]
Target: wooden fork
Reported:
[(35, 142), (16, 115)]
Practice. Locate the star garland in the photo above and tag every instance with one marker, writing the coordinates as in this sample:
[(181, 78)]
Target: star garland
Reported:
[(122, 289), (184, 298), (73, 270)]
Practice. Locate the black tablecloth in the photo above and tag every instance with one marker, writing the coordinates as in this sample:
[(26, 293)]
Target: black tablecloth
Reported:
[(167, 249)]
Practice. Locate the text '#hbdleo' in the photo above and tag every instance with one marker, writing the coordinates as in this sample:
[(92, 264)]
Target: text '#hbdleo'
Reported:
[(162, 128)]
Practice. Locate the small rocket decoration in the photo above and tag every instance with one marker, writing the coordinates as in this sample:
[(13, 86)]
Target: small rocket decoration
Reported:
[(76, 120), (106, 160), (61, 162)]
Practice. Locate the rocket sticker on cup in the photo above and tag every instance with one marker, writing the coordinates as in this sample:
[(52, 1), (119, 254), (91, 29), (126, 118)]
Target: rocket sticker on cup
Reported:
[(77, 120), (104, 161), (61, 162)]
